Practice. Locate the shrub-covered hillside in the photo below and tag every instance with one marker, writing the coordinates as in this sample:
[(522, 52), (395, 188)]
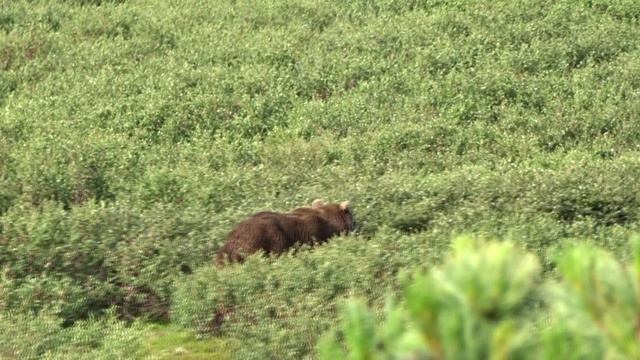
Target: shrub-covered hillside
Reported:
[(134, 134)]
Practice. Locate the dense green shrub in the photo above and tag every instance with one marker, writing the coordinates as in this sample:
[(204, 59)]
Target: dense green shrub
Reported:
[(265, 302), (488, 301), (97, 256), (40, 337), (593, 306)]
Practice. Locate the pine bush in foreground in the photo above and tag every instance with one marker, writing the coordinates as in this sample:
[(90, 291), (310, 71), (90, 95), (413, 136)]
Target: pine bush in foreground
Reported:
[(487, 301)]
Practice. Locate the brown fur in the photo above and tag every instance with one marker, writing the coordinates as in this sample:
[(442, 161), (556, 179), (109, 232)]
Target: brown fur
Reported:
[(275, 233)]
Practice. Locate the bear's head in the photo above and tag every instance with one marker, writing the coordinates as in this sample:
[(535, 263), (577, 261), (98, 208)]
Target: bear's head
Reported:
[(339, 214)]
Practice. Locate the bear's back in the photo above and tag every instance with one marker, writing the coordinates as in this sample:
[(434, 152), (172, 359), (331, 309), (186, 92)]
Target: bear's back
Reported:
[(275, 232)]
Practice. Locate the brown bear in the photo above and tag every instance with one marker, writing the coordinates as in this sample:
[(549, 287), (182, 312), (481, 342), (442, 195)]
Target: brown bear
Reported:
[(275, 233)]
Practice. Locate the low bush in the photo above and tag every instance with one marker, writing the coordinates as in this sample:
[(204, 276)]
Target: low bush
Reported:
[(41, 337), (489, 301), (95, 257)]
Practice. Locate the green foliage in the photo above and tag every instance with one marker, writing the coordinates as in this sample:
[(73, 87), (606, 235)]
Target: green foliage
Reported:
[(469, 308), (487, 301), (169, 342), (31, 337), (595, 305), (458, 308), (93, 257), (395, 338), (263, 303), (133, 135)]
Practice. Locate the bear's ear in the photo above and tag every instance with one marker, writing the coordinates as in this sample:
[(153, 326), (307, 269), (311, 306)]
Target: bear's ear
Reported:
[(317, 203), (345, 205)]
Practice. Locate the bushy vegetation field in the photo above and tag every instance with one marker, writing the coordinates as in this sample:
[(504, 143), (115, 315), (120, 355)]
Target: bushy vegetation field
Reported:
[(134, 134)]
